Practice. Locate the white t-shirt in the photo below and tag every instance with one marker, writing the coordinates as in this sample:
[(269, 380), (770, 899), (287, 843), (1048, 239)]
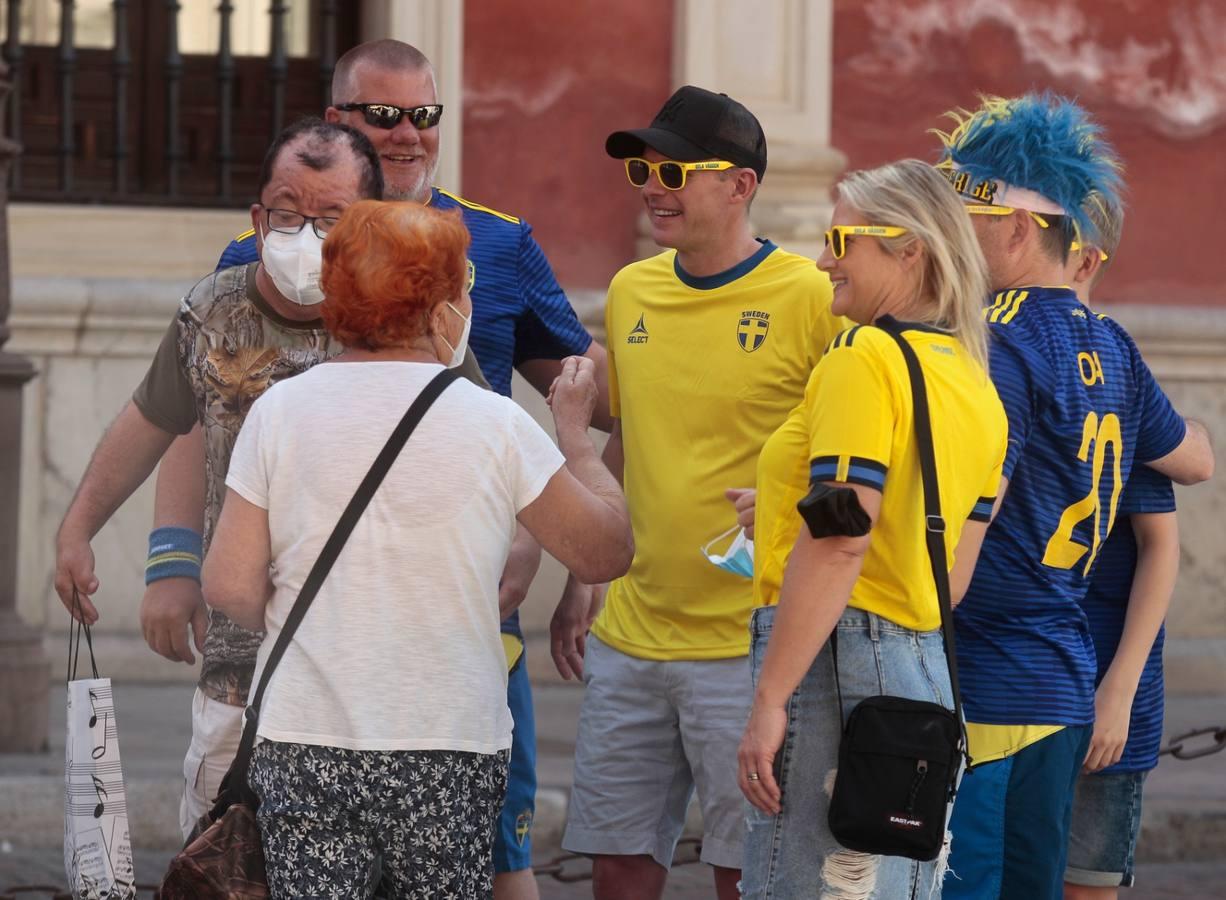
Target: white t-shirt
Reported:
[(400, 649)]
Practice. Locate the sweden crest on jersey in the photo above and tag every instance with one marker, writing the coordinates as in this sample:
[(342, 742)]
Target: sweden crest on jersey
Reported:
[(752, 329)]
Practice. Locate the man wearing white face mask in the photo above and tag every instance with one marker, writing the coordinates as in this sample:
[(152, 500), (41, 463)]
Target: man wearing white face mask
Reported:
[(291, 255), (236, 333)]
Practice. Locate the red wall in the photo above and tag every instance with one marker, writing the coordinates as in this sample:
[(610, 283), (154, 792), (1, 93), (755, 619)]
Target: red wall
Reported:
[(544, 84), (1151, 72)]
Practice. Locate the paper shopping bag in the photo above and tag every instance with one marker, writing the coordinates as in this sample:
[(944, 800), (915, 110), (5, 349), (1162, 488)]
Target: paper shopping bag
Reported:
[(97, 849)]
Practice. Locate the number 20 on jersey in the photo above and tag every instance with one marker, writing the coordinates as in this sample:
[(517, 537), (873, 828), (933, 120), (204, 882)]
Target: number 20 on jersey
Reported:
[(1062, 551)]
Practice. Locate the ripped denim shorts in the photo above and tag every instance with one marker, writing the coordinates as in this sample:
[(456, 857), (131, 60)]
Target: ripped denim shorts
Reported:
[(794, 854)]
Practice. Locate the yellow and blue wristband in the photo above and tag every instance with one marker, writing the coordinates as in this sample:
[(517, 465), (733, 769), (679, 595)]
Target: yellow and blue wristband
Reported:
[(173, 553)]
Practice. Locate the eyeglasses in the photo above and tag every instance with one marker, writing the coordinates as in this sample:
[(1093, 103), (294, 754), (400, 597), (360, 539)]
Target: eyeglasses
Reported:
[(387, 115), (287, 221), (1076, 246), (983, 209), (671, 173), (838, 235)]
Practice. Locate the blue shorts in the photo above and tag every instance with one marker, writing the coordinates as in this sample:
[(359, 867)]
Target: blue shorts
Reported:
[(1011, 822), (1106, 819), (513, 839)]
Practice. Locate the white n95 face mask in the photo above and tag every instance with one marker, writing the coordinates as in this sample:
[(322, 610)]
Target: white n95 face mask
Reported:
[(738, 559), (293, 262), (457, 352)]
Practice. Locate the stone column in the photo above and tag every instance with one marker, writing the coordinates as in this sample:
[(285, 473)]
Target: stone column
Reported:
[(436, 28), (774, 58), (24, 670)]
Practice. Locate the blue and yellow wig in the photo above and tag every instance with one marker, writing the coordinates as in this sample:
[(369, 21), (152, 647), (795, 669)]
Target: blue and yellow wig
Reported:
[(1041, 142)]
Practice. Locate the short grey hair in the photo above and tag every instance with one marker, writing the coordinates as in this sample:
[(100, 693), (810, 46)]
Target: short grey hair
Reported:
[(383, 54)]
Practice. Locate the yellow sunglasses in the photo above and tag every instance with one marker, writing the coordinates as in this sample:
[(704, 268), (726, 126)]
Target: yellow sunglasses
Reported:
[(980, 209), (837, 235), (670, 172), (983, 209), (1076, 246)]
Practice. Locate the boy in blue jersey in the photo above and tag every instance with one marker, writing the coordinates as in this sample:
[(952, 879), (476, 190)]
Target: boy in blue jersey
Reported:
[(1083, 408), (1125, 605), (521, 319)]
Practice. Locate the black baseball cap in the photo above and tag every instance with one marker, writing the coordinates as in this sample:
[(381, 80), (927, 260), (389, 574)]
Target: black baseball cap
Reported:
[(696, 124)]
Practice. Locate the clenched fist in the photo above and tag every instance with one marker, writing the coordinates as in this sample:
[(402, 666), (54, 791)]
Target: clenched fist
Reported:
[(573, 394)]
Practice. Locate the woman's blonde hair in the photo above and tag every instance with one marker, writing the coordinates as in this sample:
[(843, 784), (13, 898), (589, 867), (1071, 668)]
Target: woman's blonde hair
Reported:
[(913, 195)]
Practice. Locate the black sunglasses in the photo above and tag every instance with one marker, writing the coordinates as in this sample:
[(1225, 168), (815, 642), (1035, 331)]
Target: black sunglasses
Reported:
[(386, 115)]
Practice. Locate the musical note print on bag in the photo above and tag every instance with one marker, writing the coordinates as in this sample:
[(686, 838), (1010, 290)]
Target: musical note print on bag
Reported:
[(97, 846)]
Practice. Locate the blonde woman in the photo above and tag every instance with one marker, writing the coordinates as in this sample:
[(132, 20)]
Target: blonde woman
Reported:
[(840, 522)]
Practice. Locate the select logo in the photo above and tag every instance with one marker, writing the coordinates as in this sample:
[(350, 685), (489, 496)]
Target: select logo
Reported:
[(638, 334)]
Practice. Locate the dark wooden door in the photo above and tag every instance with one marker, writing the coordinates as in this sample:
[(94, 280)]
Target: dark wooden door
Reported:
[(147, 92)]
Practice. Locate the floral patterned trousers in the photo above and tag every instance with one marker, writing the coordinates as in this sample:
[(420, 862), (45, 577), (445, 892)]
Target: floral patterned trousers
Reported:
[(415, 824)]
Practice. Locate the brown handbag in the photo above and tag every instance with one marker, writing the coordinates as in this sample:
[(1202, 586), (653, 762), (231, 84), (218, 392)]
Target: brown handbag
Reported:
[(224, 858)]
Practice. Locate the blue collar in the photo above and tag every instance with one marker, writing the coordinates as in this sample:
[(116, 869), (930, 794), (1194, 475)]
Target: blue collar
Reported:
[(719, 279), (1049, 291)]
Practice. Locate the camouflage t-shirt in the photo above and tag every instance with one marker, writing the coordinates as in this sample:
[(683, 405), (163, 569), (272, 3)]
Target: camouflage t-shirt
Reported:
[(225, 348)]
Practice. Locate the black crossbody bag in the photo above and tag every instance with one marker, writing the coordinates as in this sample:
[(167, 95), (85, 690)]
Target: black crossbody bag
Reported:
[(899, 758)]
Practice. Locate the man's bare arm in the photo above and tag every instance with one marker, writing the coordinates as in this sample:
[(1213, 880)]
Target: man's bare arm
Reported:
[(121, 462), (179, 500), (1153, 583), (540, 373), (1192, 461), (580, 603), (523, 561)]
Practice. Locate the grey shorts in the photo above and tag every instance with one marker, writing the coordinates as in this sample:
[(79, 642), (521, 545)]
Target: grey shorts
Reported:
[(650, 732)]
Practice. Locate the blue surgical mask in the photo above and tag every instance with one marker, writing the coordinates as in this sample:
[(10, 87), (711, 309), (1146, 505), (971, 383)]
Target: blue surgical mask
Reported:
[(738, 559)]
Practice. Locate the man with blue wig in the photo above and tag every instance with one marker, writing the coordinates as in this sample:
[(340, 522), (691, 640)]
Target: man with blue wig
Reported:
[(1082, 407)]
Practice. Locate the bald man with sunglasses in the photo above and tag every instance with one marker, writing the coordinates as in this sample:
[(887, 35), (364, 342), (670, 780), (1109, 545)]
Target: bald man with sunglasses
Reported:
[(521, 320)]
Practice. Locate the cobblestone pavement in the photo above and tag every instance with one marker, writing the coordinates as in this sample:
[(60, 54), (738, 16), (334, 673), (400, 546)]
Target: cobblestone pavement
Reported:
[(1155, 881)]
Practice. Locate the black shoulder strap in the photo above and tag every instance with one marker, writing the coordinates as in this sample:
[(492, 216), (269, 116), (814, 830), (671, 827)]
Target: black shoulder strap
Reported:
[(236, 778), (934, 524)]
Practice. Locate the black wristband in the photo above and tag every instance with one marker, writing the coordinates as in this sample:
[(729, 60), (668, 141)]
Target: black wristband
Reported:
[(833, 512)]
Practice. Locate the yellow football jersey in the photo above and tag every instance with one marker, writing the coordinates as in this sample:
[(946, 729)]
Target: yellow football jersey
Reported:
[(856, 426), (988, 743), (701, 371)]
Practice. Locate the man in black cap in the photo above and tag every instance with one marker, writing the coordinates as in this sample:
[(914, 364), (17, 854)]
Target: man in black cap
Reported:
[(710, 346)]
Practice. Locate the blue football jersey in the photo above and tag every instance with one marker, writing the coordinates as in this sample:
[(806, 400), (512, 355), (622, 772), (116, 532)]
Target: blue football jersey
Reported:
[(519, 310), (1083, 408), (1106, 604)]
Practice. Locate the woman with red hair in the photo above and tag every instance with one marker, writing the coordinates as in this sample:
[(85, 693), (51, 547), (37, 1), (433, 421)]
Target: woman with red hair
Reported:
[(384, 732)]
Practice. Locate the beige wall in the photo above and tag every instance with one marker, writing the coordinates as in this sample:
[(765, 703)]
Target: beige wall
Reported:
[(1186, 349), (94, 289)]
